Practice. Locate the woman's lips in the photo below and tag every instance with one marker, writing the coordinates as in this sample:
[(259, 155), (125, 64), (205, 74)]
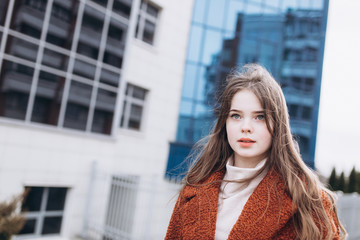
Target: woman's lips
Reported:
[(246, 142)]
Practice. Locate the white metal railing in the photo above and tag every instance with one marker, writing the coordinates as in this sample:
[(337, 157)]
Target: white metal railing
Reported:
[(349, 213), (132, 208)]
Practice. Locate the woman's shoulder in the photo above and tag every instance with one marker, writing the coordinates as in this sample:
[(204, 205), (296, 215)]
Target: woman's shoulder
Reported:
[(209, 183)]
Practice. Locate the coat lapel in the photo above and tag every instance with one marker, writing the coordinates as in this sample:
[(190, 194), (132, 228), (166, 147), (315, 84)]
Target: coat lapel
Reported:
[(266, 212), (200, 208)]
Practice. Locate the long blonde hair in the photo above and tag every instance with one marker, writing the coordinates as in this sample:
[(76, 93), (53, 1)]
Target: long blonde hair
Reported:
[(302, 183)]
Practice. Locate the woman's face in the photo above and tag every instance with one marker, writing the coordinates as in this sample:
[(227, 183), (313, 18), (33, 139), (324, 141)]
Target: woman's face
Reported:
[(246, 130)]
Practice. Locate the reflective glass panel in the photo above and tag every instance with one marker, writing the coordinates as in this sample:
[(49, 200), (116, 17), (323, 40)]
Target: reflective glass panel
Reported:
[(91, 30), (51, 225), (195, 42), (109, 77), (56, 199), (84, 69), (78, 106), (104, 111), (3, 10), (135, 116), (149, 32), (48, 97), (29, 227), (101, 2), (55, 59), (139, 93), (114, 48), (152, 10), (21, 48), (28, 17), (33, 199), (122, 7), (189, 82), (15, 85), (114, 58), (216, 13), (284, 36), (62, 19), (200, 8)]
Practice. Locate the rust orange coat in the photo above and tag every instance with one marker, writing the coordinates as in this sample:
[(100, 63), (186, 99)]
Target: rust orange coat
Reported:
[(266, 215)]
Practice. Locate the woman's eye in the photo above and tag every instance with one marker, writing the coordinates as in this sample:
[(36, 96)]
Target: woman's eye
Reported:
[(260, 117), (235, 116)]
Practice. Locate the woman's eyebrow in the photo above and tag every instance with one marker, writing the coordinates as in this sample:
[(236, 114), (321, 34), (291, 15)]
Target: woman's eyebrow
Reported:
[(235, 110), (239, 111)]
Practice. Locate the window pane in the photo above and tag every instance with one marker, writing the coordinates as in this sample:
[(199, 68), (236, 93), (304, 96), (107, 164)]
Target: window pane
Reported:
[(21, 48), (114, 58), (56, 199), (101, 2), (109, 77), (122, 7), (91, 31), (195, 43), (33, 199), (116, 31), (21, 20), (63, 16), (306, 114), (139, 93), (15, 84), (135, 116), (149, 32), (199, 10), (48, 98), (84, 69), (54, 59), (78, 106), (152, 10), (88, 50), (190, 82), (114, 48), (3, 10), (104, 111), (51, 225), (212, 45), (29, 227), (234, 14), (215, 15)]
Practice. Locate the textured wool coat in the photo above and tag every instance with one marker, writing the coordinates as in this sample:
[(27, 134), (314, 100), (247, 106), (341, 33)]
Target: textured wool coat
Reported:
[(266, 215)]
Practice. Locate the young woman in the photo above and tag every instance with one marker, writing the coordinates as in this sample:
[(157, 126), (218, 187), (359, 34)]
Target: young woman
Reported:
[(248, 180)]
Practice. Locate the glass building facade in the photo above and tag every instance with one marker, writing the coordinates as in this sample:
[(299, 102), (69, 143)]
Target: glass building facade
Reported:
[(285, 36), (61, 62)]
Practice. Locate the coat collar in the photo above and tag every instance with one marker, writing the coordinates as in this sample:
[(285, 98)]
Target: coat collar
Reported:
[(267, 210)]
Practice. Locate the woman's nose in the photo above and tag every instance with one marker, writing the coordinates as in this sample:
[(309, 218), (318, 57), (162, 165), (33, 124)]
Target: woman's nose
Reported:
[(246, 126)]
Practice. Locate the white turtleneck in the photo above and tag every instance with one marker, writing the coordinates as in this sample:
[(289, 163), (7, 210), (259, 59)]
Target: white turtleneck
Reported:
[(234, 195)]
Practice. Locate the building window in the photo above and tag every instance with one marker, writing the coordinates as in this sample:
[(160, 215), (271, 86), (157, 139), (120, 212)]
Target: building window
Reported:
[(147, 21), (44, 209), (133, 107), (60, 92)]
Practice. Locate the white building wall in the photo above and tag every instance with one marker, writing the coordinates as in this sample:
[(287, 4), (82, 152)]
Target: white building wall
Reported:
[(38, 155)]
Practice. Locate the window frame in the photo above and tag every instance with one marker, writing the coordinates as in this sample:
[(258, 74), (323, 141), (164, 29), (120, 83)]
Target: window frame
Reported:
[(128, 101), (144, 16), (40, 215)]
